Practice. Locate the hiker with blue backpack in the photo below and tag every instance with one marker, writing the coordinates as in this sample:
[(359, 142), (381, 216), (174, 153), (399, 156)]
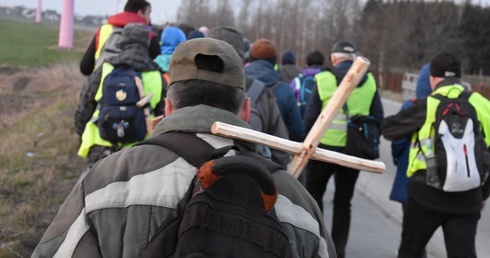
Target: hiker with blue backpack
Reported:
[(119, 98), (448, 164), (186, 192), (304, 83)]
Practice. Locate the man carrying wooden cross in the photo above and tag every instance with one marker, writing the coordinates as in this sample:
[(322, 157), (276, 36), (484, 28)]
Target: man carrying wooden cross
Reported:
[(364, 100), (118, 207)]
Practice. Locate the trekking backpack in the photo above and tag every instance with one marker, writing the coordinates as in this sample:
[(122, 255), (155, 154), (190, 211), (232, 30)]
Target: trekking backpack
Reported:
[(256, 119), (459, 160), (227, 210), (110, 47), (304, 88), (120, 120)]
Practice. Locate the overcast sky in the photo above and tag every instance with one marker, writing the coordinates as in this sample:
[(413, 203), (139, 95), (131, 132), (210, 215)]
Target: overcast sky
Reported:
[(162, 10)]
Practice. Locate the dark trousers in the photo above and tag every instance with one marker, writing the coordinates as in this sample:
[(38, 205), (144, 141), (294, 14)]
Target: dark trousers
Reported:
[(419, 224), (345, 180)]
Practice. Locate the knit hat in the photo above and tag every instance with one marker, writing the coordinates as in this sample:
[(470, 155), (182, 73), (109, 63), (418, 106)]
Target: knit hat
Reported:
[(263, 49), (196, 34), (230, 36), (344, 46), (192, 58), (445, 64), (288, 57), (134, 33)]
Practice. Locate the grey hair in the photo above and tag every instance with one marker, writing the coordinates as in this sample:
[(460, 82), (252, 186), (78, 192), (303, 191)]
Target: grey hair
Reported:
[(344, 56), (196, 92)]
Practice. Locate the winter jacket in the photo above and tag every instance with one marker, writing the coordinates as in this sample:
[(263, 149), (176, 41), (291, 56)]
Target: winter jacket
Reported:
[(264, 72), (116, 208), (120, 20), (170, 39), (401, 148), (407, 123)]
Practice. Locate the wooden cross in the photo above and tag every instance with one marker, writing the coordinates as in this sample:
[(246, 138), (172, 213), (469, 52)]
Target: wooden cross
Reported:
[(307, 150)]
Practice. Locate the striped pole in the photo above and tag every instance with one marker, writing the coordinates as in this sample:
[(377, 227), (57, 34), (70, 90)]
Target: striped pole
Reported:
[(66, 25), (38, 11)]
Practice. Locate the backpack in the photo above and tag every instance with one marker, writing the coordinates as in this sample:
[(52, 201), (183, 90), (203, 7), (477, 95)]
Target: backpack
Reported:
[(458, 160), (110, 47), (304, 87), (120, 120), (227, 210), (256, 118)]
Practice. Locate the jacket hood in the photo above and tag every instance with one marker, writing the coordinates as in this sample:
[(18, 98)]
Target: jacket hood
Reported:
[(423, 84), (263, 71), (171, 38), (341, 70), (124, 18)]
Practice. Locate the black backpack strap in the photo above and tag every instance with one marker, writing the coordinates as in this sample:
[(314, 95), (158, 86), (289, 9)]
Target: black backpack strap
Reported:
[(193, 149)]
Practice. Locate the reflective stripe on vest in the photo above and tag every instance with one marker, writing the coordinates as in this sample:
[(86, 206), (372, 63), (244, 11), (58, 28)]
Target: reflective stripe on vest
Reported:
[(359, 103), (152, 83), (104, 33)]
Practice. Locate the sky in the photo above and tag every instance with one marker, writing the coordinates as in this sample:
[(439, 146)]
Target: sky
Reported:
[(162, 10)]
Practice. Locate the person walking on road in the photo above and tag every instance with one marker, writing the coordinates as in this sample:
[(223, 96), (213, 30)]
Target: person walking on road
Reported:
[(134, 54), (263, 57), (288, 70), (401, 148), (363, 100), (120, 204), (448, 161)]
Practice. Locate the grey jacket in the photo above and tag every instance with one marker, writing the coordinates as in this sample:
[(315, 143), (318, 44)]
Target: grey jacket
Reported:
[(115, 209)]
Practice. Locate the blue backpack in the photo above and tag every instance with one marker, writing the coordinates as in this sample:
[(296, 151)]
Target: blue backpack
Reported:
[(120, 120), (304, 86)]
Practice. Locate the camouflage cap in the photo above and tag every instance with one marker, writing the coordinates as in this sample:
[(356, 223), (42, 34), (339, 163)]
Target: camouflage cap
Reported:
[(209, 60)]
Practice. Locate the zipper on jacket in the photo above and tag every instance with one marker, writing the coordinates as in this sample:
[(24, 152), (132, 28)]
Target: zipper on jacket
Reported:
[(467, 161)]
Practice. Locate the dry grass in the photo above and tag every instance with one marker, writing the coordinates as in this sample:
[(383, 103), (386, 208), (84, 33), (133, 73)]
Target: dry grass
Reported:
[(38, 148)]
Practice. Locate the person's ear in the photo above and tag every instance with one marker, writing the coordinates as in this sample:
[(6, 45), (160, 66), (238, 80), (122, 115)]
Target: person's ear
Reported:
[(168, 107), (245, 111)]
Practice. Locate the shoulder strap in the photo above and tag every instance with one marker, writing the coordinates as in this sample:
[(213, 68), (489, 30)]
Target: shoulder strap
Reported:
[(256, 90), (193, 149), (275, 86)]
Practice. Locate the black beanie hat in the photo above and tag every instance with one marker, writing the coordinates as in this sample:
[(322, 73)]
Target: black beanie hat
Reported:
[(445, 64), (315, 58)]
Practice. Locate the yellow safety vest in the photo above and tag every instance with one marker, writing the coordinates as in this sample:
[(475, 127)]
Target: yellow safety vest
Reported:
[(152, 83), (358, 103), (104, 33), (416, 159)]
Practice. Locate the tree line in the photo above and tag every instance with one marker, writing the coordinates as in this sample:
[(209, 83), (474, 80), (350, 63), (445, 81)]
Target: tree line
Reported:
[(396, 35)]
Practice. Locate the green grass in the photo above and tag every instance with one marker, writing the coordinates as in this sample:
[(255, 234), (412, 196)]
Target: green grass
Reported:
[(31, 44), (32, 188)]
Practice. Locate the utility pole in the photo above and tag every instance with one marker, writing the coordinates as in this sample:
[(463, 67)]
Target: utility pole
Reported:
[(66, 25), (38, 11)]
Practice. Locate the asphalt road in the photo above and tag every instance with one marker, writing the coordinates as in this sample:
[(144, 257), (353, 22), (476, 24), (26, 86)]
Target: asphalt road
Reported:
[(376, 221)]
